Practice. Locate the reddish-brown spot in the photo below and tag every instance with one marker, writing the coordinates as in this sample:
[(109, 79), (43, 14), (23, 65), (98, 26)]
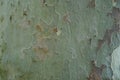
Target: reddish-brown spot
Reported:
[(55, 29), (39, 28)]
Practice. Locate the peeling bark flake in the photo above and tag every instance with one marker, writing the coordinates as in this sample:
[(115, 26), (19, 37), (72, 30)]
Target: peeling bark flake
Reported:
[(107, 36), (115, 14), (96, 73)]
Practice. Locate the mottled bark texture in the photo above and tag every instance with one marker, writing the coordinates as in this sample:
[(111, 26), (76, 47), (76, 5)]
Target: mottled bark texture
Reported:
[(58, 39)]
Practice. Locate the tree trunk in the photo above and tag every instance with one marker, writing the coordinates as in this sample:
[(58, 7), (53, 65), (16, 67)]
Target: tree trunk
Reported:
[(58, 40)]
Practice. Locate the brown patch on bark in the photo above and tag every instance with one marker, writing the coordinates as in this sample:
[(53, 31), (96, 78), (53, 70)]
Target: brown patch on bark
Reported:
[(66, 18), (114, 0), (40, 47), (91, 4), (99, 45), (40, 52), (115, 14), (55, 29), (96, 72), (39, 27)]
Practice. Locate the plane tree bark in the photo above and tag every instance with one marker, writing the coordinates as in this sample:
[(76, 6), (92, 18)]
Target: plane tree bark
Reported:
[(59, 40)]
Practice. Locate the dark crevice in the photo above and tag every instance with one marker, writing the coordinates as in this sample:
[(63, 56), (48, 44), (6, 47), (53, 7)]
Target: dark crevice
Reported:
[(25, 13), (11, 17), (2, 19), (1, 3), (18, 2), (12, 5)]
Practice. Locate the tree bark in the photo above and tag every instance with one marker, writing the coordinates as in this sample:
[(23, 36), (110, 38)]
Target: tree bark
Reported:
[(58, 40)]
